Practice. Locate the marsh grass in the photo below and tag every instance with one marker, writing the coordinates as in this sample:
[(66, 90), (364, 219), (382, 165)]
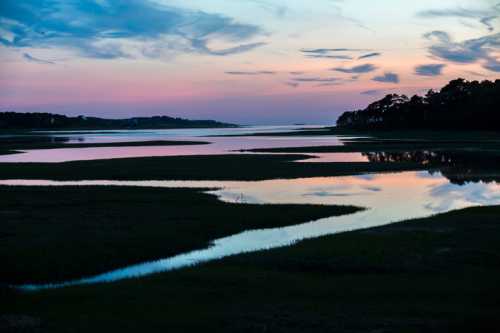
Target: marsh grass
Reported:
[(50, 234), (438, 274), (12, 145), (211, 167)]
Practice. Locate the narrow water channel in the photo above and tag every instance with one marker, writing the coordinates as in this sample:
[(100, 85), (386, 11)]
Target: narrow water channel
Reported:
[(387, 197)]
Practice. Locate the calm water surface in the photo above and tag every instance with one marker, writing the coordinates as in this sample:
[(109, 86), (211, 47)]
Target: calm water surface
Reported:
[(388, 198), (217, 146)]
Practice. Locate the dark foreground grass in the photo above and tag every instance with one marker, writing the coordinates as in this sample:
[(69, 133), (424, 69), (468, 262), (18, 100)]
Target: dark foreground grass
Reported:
[(215, 167), (52, 234), (432, 275)]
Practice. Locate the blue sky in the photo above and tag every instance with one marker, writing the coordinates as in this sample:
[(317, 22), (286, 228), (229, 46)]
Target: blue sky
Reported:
[(246, 61)]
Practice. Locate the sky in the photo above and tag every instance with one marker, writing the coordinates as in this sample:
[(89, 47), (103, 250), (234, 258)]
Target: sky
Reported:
[(242, 61)]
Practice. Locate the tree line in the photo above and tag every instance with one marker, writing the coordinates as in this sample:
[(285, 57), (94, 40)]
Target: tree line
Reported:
[(461, 104), (16, 120)]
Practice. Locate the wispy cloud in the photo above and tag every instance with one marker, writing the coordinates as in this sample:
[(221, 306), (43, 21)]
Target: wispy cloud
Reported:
[(476, 50), (330, 50), (97, 29), (476, 74), (329, 56), (485, 17), (430, 69), (276, 9), (31, 58), (317, 79), (387, 78), (337, 4), (329, 84), (322, 81), (202, 46), (369, 55), (328, 53), (361, 69), (250, 72), (372, 92), (492, 65)]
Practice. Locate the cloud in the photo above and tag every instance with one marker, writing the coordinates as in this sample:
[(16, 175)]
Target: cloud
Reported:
[(229, 51), (476, 74), (467, 52), (329, 84), (30, 58), (316, 79), (326, 50), (323, 81), (492, 65), (387, 78), (293, 84), (278, 10), (369, 55), (430, 70), (327, 53), (250, 73), (448, 195), (485, 17), (329, 56), (361, 69), (372, 92), (109, 29), (470, 51), (372, 188), (296, 73), (337, 5), (487, 22)]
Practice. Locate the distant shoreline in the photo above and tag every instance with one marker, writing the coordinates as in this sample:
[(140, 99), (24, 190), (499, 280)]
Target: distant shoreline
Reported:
[(16, 121)]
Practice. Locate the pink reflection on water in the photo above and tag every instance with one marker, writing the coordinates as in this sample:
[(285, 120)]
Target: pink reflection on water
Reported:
[(217, 146), (335, 157), (388, 197)]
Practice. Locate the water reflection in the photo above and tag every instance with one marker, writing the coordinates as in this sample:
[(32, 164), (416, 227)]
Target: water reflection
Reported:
[(102, 136), (458, 166), (217, 146), (387, 197)]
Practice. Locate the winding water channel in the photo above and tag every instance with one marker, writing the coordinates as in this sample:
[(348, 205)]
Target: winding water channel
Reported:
[(387, 197)]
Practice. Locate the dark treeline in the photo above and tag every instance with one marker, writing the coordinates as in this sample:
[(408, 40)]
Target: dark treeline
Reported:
[(460, 104), (15, 120)]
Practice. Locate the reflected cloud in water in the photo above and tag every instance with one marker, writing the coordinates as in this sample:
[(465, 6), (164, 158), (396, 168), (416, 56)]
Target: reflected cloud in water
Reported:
[(448, 195), (388, 198)]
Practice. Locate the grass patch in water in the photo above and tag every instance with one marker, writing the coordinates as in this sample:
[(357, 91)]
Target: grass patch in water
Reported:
[(13, 145), (213, 167), (52, 234)]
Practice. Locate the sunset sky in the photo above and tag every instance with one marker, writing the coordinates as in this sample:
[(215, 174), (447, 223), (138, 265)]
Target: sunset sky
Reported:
[(243, 61)]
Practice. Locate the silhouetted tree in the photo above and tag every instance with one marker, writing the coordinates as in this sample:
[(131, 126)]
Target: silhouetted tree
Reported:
[(460, 104)]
